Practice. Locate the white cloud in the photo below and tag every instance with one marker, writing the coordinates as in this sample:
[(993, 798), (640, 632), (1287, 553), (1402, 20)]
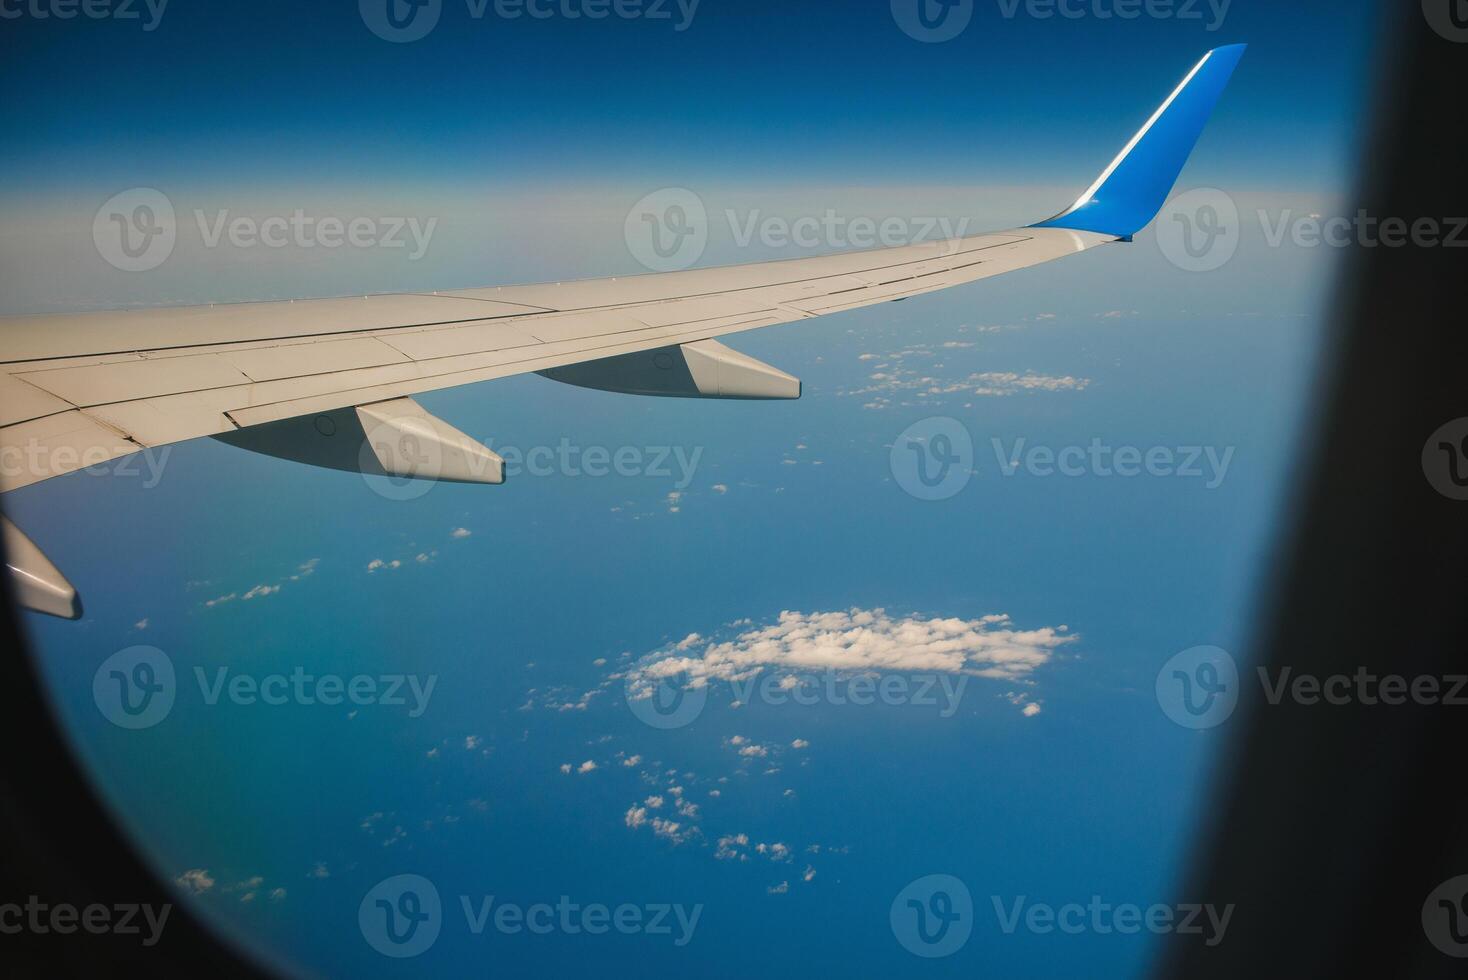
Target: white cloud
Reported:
[(857, 640), (587, 766), (919, 374), (636, 816), (779, 889), (800, 743), (460, 532), (728, 847), (1030, 710), (775, 852), (195, 880)]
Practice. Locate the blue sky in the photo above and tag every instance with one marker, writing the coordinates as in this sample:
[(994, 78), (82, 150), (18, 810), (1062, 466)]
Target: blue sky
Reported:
[(530, 141), (280, 91)]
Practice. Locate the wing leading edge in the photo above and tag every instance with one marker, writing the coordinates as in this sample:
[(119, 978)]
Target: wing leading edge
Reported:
[(300, 379)]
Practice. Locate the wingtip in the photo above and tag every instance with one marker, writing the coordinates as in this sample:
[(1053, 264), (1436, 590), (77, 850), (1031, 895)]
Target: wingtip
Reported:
[(1129, 193)]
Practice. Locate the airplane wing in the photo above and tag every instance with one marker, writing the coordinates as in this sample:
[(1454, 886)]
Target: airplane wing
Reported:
[(330, 381)]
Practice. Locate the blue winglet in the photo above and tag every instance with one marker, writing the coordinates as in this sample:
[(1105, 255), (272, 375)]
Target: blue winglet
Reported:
[(1128, 195)]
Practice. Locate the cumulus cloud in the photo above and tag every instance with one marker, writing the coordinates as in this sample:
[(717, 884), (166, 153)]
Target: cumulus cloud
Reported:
[(857, 640), (261, 590), (195, 880), (918, 374)]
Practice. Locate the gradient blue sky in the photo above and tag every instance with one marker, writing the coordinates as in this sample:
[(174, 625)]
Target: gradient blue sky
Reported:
[(531, 140), (283, 91)]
